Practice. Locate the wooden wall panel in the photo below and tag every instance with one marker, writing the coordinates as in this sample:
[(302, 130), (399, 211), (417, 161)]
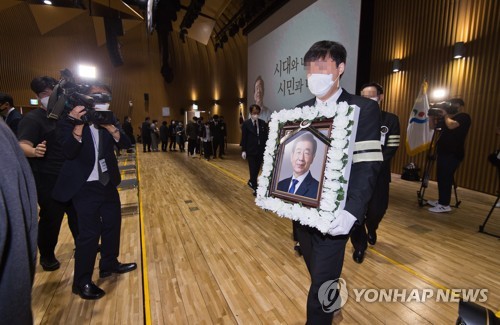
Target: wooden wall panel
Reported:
[(422, 34), (200, 73)]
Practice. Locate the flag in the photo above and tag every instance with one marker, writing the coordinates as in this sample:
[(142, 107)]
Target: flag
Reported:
[(419, 134)]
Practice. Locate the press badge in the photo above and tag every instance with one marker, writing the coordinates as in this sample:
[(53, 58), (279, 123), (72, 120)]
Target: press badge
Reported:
[(104, 167)]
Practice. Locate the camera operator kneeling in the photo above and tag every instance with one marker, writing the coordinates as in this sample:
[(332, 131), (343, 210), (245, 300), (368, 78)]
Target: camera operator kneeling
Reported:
[(89, 178), (454, 126)]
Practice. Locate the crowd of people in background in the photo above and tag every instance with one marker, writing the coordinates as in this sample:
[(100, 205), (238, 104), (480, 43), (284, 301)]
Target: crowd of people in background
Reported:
[(206, 139)]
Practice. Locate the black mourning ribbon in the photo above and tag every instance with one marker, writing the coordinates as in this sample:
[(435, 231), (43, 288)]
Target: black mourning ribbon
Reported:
[(306, 125)]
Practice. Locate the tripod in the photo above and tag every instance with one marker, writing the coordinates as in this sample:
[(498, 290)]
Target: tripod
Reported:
[(481, 227), (431, 157)]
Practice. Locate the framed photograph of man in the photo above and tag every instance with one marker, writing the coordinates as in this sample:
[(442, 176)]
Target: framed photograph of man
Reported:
[(300, 165), (307, 161)]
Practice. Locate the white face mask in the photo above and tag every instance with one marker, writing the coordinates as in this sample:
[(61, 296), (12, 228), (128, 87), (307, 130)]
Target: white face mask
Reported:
[(44, 101), (320, 84), (374, 98), (102, 107)]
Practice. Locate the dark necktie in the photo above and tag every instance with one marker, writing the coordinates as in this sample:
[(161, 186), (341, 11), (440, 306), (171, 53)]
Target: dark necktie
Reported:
[(103, 176), (256, 131), (292, 188)]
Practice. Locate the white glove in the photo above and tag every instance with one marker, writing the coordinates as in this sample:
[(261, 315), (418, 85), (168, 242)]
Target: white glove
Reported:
[(244, 155), (342, 224)]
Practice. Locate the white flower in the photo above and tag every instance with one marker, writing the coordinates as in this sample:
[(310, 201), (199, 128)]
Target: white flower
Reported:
[(309, 113), (339, 134), (326, 205), (296, 113), (341, 122), (337, 165), (335, 154), (339, 143), (334, 174), (342, 108)]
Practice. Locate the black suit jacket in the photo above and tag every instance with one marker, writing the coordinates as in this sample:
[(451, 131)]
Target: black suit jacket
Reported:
[(308, 188), (13, 119), (80, 158), (391, 143), (364, 172), (251, 143)]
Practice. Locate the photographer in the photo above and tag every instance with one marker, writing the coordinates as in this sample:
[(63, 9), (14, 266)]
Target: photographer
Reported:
[(453, 126), (89, 178), (37, 138)]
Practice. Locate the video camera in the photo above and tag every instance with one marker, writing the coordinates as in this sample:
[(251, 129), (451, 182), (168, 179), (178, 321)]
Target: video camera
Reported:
[(67, 94), (446, 107)]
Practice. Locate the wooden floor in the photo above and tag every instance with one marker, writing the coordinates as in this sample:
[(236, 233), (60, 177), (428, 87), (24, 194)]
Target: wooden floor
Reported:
[(214, 257)]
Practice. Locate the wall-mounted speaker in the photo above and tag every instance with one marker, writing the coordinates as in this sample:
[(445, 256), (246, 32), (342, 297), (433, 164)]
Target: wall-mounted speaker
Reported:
[(113, 28)]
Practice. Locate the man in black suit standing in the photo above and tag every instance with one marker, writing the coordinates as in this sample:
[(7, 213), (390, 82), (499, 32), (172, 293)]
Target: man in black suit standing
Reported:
[(254, 134), (302, 182), (219, 135), (389, 139), (89, 178), (9, 112), (146, 134), (324, 253), (129, 131)]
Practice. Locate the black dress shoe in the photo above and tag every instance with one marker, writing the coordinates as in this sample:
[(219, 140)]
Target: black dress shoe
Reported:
[(88, 291), (120, 269), (358, 256), (372, 238), (297, 249), (49, 264), (250, 184)]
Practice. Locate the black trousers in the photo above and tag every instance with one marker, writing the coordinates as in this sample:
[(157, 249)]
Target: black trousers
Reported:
[(99, 212), (218, 146), (377, 206), (254, 165), (172, 142), (447, 165), (51, 215), (207, 149), (146, 144), (324, 257), (191, 146), (164, 145)]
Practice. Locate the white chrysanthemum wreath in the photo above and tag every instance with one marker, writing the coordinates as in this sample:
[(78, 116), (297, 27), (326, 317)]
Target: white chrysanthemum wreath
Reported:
[(337, 167)]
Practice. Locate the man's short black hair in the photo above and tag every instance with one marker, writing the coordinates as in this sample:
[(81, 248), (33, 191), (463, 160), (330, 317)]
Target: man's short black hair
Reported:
[(323, 49), (380, 89), (39, 84), (6, 98), (250, 109)]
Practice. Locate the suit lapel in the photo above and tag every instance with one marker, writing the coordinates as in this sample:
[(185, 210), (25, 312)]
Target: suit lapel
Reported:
[(344, 97), (305, 185)]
